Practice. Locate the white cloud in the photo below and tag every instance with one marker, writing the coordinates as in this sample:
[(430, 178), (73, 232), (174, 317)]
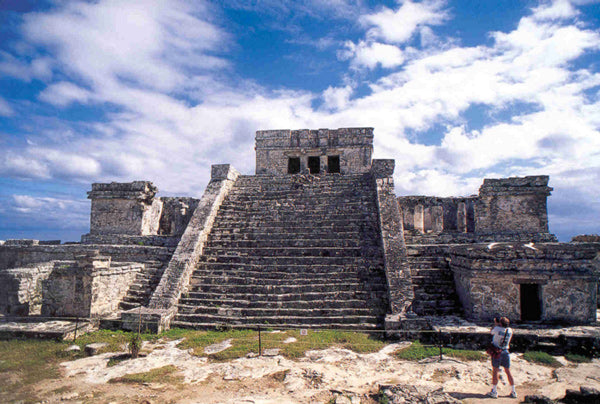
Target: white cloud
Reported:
[(371, 54), (5, 108), (400, 25), (64, 93), (541, 118), (49, 211), (337, 97), (555, 10)]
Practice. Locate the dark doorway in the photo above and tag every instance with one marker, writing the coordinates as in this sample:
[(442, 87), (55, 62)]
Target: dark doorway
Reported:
[(333, 164), (293, 165), (314, 165), (531, 302)]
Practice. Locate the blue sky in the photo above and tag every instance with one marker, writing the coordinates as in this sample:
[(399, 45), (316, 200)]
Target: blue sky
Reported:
[(457, 91)]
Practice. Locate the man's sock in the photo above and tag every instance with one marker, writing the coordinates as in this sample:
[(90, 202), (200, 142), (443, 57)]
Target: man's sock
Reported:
[(513, 388), (494, 388)]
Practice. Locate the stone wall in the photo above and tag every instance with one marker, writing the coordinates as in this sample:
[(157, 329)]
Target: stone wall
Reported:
[(516, 204), (394, 251), (489, 280), (12, 256), (21, 289), (354, 146), (89, 287), (176, 214), (124, 208)]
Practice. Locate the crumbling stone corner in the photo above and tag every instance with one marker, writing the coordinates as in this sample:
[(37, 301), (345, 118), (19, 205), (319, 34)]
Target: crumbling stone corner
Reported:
[(400, 292), (163, 303)]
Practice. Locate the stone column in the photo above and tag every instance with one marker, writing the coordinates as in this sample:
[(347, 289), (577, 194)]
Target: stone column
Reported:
[(461, 218), (437, 218), (419, 218)]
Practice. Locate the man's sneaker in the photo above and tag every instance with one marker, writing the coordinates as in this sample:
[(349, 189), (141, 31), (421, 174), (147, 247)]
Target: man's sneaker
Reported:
[(492, 394), (513, 394)]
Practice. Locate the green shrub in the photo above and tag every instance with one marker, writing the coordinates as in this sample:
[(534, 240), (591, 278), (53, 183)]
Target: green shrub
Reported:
[(135, 345), (577, 358), (541, 358)]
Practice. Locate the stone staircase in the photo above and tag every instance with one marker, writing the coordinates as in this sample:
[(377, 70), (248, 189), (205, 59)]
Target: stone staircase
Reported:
[(298, 251), (141, 289), (433, 282)]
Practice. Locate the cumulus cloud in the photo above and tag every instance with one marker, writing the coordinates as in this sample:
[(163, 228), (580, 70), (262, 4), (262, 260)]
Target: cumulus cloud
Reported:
[(158, 66), (398, 26), (372, 54)]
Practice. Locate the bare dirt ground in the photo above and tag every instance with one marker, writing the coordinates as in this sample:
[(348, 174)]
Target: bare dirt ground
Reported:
[(318, 377)]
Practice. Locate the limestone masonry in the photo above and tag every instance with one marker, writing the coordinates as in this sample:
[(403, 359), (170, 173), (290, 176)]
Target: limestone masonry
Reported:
[(316, 238)]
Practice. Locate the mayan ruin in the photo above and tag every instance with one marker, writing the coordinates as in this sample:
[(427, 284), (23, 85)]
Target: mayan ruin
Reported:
[(315, 238)]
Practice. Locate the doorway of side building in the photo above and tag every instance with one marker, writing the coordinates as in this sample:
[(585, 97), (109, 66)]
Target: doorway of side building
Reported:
[(531, 302), (314, 164)]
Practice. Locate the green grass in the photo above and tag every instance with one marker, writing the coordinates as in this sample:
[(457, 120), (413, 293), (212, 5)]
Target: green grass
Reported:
[(577, 358), (541, 358), (246, 341), (24, 363), (164, 374), (417, 351)]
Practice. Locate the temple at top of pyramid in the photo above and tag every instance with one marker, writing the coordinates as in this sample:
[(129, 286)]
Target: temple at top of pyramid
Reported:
[(344, 151), (316, 238)]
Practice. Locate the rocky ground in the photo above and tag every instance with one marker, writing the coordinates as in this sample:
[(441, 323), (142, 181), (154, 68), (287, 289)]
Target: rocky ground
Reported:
[(325, 376)]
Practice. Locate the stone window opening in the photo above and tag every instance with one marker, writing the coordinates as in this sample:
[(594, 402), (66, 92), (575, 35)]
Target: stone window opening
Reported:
[(333, 164), (531, 302), (293, 165), (314, 164)]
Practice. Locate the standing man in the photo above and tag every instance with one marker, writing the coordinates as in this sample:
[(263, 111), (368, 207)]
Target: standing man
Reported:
[(501, 336)]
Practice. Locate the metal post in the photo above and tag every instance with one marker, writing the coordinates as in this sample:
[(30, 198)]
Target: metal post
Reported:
[(139, 319), (440, 341), (76, 326), (259, 343)]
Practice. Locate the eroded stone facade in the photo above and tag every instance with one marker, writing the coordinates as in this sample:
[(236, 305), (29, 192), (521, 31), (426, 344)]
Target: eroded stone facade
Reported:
[(353, 148), (316, 238)]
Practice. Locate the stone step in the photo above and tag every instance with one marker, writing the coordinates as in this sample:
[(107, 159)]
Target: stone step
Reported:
[(300, 226), (319, 311), (432, 272), (212, 324), (128, 305), (304, 214), (319, 206), (287, 206), (377, 303), (439, 296), (274, 260), (290, 288), (290, 242), (338, 272), (255, 235), (272, 281), (434, 303), (289, 252), (287, 197), (323, 321), (337, 295)]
